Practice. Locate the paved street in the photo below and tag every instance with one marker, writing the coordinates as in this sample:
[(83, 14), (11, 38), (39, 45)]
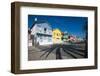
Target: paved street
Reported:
[(57, 51)]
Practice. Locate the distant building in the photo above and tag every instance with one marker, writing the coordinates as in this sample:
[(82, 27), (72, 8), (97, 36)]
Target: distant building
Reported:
[(57, 36), (41, 33), (72, 38), (80, 39), (65, 36), (75, 39)]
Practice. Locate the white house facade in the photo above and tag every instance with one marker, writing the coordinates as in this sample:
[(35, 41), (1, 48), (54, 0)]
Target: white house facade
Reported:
[(41, 33)]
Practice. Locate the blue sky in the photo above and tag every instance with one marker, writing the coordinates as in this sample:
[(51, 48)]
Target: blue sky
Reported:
[(73, 25)]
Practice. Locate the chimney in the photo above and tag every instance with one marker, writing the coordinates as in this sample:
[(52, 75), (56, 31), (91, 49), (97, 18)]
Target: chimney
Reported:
[(35, 19)]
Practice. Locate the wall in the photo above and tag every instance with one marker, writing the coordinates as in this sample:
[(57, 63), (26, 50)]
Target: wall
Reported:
[(5, 33)]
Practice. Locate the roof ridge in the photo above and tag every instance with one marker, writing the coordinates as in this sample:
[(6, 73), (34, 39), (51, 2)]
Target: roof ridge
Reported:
[(39, 21)]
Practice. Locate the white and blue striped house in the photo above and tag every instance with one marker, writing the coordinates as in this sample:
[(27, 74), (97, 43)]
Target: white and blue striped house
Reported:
[(41, 33)]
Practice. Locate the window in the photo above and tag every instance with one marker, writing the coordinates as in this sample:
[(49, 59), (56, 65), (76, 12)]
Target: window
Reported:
[(39, 25), (41, 39), (57, 34), (57, 38), (45, 29)]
